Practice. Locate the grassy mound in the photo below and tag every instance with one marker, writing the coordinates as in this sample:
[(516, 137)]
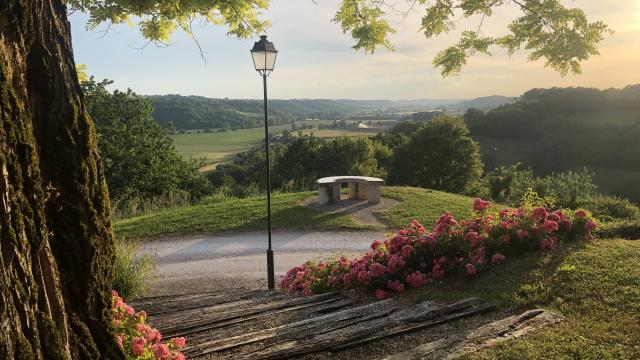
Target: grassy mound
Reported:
[(231, 214)]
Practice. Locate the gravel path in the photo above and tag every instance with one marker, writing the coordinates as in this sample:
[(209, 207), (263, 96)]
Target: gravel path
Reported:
[(239, 260)]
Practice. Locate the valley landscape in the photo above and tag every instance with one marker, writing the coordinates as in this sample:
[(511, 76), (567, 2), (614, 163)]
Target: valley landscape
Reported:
[(352, 179)]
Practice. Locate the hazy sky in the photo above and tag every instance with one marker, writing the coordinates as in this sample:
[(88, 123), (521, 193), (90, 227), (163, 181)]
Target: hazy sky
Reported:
[(315, 59)]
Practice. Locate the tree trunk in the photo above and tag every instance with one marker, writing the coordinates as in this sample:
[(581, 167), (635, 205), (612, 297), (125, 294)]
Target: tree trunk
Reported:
[(57, 245)]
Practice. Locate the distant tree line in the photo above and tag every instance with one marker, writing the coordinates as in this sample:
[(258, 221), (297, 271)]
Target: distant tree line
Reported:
[(197, 112)]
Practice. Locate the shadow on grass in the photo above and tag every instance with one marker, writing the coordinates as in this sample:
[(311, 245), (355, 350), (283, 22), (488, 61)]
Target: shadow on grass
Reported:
[(302, 218), (518, 283)]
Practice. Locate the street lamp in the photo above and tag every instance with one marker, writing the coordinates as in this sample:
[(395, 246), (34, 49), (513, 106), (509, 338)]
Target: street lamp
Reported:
[(264, 59)]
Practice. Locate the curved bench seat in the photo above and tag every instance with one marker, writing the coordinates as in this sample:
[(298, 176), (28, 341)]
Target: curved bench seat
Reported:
[(360, 187)]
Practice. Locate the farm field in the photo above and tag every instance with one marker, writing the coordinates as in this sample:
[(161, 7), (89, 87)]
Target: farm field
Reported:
[(220, 147)]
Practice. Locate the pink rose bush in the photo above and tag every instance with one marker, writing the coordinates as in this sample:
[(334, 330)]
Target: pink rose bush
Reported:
[(139, 340), (416, 256)]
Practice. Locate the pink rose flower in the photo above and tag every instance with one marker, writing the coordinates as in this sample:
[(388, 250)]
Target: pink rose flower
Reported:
[(437, 272), (505, 239), (381, 294), (162, 352), (395, 285), (480, 205), (581, 213), (547, 244), (377, 269), (497, 258), (416, 279), (137, 345), (471, 270), (550, 226), (179, 342), (375, 244), (539, 213), (394, 262), (407, 250), (590, 225)]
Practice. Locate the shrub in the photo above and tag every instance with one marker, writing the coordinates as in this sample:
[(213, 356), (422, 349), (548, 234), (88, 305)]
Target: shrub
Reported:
[(625, 229), (130, 269), (416, 256), (509, 184), (610, 207), (137, 339)]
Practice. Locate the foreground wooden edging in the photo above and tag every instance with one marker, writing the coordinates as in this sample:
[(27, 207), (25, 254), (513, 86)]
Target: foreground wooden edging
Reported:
[(488, 335), (259, 324), (338, 330)]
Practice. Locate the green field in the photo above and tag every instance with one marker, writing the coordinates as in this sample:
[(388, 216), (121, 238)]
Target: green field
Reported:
[(219, 147)]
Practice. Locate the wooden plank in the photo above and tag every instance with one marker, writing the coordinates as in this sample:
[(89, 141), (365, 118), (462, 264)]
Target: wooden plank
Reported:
[(189, 322), (170, 305), (418, 321), (299, 329), (487, 335), (401, 321), (313, 310), (339, 330)]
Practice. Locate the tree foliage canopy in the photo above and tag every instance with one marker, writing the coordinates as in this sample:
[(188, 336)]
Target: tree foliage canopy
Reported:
[(160, 19), (439, 155), (138, 155), (561, 36)]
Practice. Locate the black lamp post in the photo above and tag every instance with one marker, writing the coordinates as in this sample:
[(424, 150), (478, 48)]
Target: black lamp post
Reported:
[(264, 58)]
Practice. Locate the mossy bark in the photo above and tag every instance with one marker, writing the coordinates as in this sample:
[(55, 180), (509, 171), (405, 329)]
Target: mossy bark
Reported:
[(56, 245)]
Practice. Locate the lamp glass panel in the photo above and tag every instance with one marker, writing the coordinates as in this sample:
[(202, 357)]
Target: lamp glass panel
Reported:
[(259, 58), (270, 59)]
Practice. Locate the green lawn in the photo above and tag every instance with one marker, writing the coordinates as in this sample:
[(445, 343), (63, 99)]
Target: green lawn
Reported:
[(596, 286), (213, 216), (423, 205), (232, 214)]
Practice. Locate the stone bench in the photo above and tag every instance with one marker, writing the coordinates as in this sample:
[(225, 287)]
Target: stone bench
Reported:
[(360, 188)]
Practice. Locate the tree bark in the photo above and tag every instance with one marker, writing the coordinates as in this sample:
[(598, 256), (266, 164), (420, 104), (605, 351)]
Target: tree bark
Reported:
[(57, 246)]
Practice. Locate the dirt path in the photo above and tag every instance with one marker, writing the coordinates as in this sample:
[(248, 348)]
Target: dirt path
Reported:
[(238, 260)]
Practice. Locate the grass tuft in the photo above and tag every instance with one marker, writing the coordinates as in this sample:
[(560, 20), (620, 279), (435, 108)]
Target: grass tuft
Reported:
[(131, 270)]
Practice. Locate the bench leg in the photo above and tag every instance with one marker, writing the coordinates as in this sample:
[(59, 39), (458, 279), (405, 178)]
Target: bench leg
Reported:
[(353, 190), (335, 194), (362, 191), (373, 193), (323, 195), (357, 191)]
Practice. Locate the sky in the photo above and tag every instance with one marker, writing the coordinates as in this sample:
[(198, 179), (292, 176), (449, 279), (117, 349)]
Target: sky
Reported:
[(315, 59)]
